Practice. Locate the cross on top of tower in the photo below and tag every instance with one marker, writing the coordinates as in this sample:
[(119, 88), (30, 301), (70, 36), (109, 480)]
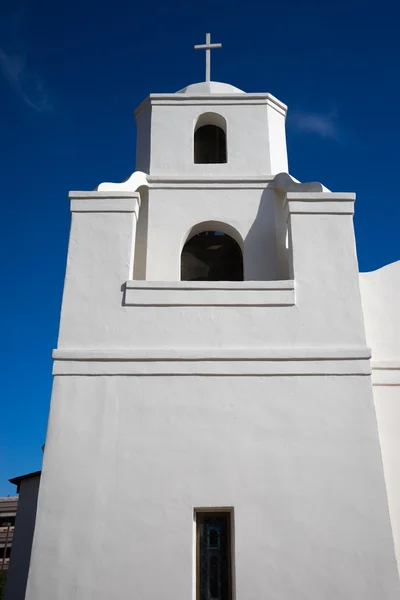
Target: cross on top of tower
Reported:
[(208, 46)]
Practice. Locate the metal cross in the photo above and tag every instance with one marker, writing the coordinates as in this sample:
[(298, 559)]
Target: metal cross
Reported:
[(207, 47)]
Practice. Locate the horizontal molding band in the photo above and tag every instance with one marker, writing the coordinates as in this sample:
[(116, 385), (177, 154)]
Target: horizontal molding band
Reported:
[(188, 354), (210, 179), (216, 185), (314, 203), (212, 285), (212, 362), (386, 373), (386, 364), (231, 368), (104, 201), (216, 181), (221, 293), (212, 99), (322, 196)]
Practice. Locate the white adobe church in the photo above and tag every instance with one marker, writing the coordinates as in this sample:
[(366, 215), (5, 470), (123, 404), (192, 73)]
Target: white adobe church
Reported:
[(218, 429)]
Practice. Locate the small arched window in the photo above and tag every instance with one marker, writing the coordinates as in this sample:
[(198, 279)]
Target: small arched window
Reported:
[(211, 256), (210, 139)]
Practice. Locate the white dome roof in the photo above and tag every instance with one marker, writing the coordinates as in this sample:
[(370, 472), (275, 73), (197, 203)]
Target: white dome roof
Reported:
[(210, 87)]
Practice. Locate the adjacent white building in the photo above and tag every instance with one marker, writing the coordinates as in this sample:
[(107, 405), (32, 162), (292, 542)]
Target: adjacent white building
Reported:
[(212, 431)]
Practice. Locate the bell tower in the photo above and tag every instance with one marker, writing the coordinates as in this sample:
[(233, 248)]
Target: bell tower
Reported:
[(254, 126), (210, 151), (212, 432)]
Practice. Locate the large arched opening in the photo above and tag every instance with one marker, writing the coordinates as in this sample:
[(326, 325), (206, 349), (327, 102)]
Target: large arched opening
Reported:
[(210, 254)]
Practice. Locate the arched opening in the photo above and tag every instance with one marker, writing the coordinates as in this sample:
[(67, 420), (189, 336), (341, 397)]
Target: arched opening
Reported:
[(210, 139), (211, 256)]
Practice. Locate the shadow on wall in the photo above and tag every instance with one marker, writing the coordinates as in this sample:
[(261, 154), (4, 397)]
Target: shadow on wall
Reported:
[(140, 256), (266, 250)]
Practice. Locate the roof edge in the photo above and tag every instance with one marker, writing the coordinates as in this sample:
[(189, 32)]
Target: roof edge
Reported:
[(17, 480), (239, 98)]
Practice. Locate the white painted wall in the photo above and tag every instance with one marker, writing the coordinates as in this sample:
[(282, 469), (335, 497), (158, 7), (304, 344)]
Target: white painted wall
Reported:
[(387, 406), (100, 262), (381, 299), (170, 396), (297, 457), (256, 139), (174, 212)]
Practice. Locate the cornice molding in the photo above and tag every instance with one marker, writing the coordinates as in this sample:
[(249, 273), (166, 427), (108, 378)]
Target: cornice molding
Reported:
[(209, 182), (212, 99), (109, 201), (334, 203)]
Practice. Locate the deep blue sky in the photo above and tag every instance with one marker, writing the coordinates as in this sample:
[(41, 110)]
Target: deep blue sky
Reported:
[(71, 75)]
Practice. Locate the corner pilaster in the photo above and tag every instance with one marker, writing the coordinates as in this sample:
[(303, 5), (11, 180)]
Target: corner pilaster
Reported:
[(100, 259)]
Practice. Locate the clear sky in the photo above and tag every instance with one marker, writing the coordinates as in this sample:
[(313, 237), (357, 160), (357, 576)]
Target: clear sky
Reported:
[(71, 74)]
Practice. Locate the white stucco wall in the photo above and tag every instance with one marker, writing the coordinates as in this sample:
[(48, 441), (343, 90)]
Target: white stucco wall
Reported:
[(160, 406), (174, 211), (173, 395), (297, 457), (387, 405), (381, 300), (256, 138), (100, 262)]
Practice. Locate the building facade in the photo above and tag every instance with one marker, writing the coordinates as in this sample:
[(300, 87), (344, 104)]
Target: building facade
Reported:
[(24, 521), (212, 431), (8, 512)]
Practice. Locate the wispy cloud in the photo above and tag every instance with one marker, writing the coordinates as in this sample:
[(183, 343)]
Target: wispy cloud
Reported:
[(15, 67), (324, 125)]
